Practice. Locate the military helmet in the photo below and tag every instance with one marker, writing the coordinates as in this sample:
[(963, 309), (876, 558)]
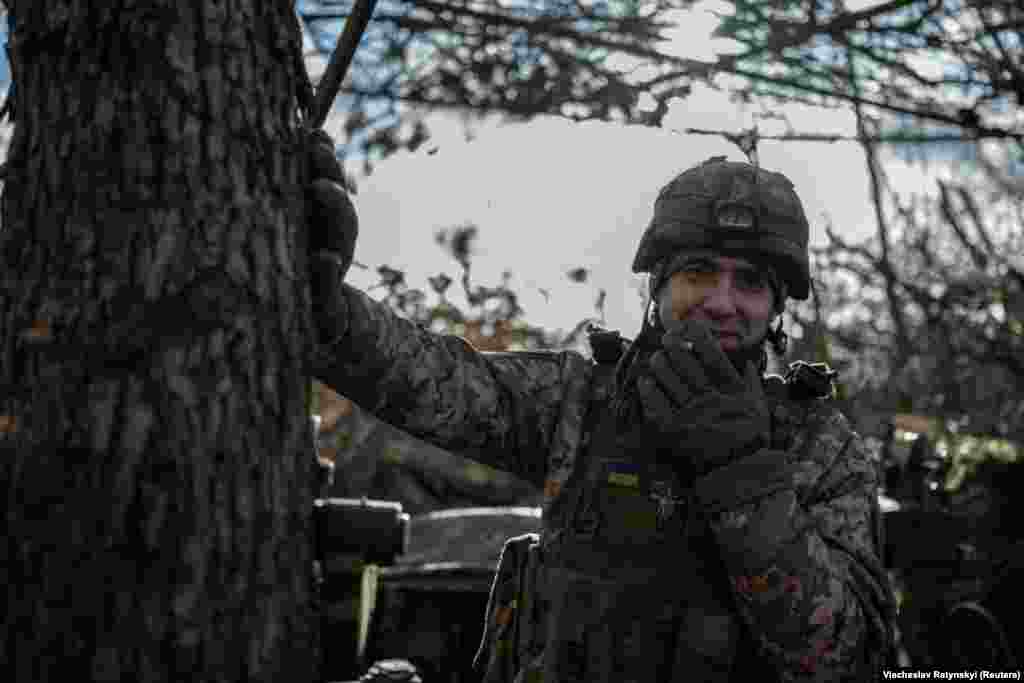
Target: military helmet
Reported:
[(731, 207)]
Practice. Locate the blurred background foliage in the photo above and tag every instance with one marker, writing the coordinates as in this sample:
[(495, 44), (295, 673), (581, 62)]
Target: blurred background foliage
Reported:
[(522, 58)]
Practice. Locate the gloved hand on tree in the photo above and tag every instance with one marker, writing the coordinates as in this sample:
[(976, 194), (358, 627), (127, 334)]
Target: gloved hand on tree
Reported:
[(332, 226)]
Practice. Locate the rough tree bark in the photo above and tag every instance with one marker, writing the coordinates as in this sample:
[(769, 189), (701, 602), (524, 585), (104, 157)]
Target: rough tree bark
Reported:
[(156, 451)]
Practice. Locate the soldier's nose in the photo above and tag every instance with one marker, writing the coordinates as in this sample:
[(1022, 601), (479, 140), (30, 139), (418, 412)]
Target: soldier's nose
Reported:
[(721, 299)]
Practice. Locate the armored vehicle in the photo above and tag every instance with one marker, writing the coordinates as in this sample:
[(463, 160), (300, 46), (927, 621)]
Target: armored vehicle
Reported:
[(429, 606), (955, 557), (415, 589)]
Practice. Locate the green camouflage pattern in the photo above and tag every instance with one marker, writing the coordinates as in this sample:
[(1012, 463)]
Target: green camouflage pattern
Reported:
[(519, 412), (794, 526), (375, 460), (804, 562)]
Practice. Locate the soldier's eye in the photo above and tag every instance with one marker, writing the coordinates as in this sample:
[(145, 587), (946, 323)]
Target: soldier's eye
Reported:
[(700, 275), (699, 267)]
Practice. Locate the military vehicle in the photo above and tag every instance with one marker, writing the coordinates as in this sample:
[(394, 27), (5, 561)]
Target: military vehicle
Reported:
[(354, 538), (414, 589), (410, 589), (955, 557)]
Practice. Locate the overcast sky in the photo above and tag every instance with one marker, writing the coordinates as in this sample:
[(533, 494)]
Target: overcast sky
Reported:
[(552, 195)]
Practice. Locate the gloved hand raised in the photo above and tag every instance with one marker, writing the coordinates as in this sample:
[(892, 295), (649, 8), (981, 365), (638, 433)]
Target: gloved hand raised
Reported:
[(332, 227), (702, 407)]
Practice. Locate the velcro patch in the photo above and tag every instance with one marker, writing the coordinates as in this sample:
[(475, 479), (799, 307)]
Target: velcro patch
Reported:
[(623, 474)]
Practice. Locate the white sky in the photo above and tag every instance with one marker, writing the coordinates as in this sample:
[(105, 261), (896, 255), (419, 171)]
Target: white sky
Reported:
[(552, 195)]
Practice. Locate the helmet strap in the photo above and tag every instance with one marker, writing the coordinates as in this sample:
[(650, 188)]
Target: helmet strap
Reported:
[(778, 338)]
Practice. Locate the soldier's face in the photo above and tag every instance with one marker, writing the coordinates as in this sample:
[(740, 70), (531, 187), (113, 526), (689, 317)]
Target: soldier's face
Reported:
[(732, 296)]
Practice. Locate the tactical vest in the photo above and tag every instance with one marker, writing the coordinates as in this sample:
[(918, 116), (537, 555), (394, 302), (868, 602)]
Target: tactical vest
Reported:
[(636, 590), (628, 575)]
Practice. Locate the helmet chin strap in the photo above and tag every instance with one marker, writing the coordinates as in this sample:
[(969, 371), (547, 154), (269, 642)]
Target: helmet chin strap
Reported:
[(778, 338), (647, 341)]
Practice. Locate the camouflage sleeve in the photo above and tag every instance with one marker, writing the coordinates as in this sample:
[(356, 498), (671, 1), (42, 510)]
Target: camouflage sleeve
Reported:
[(501, 409), (796, 531)]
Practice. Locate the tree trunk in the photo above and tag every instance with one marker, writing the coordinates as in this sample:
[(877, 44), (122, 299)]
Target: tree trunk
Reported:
[(156, 461)]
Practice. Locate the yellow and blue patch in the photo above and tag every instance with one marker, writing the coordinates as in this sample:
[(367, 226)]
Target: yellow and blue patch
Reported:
[(624, 474)]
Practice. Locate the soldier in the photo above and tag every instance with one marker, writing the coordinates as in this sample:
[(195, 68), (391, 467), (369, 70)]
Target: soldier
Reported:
[(702, 521)]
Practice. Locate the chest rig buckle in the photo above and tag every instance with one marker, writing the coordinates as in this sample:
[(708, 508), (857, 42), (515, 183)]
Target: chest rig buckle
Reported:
[(662, 494)]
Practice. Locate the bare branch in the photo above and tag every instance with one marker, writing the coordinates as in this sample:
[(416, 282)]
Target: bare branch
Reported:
[(896, 311), (888, 138), (986, 239), (977, 256)]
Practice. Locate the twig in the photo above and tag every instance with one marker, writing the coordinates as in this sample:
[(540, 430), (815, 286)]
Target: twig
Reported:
[(341, 59), (894, 138)]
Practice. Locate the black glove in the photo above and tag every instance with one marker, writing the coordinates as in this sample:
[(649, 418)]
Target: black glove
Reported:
[(332, 226), (703, 409)]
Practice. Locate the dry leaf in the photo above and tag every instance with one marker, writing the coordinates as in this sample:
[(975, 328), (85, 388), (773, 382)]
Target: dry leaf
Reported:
[(40, 331), (8, 424)]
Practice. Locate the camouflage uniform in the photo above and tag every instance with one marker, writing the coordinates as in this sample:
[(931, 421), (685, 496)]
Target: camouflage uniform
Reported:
[(798, 556), (767, 563)]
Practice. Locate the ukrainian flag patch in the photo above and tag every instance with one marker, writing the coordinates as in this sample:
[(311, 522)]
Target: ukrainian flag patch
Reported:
[(624, 474)]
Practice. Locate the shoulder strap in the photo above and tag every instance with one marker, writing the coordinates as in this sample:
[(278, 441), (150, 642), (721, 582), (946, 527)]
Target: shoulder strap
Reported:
[(608, 346)]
